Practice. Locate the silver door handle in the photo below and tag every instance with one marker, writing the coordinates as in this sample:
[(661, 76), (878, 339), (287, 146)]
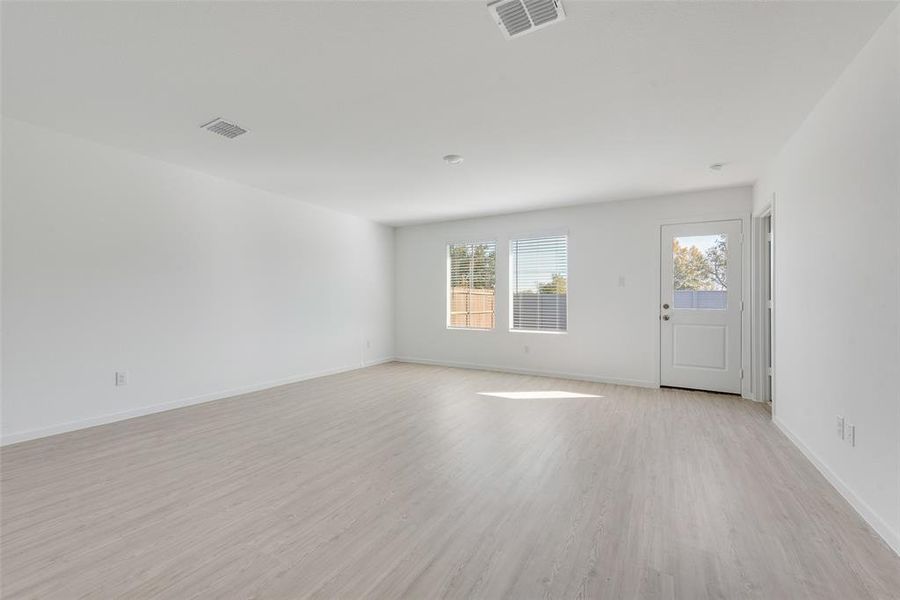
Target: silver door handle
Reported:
[(666, 317)]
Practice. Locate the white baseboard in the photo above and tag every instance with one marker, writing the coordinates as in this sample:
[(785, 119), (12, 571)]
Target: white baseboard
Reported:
[(32, 434), (891, 537), (540, 373)]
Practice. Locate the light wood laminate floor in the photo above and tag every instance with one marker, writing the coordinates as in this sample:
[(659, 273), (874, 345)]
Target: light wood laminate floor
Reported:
[(402, 481)]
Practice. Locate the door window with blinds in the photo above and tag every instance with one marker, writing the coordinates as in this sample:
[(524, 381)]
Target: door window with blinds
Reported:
[(539, 284), (472, 285)]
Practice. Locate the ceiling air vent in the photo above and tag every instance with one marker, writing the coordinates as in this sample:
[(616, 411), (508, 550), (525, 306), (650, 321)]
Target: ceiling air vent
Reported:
[(223, 127), (518, 17)]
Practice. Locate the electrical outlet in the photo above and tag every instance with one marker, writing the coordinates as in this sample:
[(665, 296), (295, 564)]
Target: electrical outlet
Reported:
[(368, 343), (851, 435), (121, 378), (840, 427), (621, 281), (527, 349)]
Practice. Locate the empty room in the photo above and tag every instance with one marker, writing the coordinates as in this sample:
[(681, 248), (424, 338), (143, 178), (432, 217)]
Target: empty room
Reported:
[(490, 299)]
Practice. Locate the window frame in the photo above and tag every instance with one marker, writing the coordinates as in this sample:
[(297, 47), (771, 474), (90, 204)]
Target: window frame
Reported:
[(448, 284), (513, 267)]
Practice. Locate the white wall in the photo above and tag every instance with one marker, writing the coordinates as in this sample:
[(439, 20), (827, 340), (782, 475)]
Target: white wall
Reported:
[(837, 281), (612, 330), (196, 286)]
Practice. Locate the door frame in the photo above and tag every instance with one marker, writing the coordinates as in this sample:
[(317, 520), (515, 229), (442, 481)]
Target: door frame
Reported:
[(745, 219), (759, 316)]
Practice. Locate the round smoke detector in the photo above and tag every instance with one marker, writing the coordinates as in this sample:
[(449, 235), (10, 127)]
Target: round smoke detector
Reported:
[(453, 159)]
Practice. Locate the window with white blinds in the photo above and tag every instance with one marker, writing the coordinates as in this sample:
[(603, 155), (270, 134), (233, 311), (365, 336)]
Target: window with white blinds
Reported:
[(472, 280), (539, 283)]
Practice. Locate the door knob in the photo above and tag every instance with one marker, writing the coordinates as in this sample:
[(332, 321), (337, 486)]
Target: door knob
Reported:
[(666, 306), (666, 317)]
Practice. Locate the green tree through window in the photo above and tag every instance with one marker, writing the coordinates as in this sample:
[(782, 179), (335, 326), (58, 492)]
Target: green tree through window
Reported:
[(696, 269), (473, 262)]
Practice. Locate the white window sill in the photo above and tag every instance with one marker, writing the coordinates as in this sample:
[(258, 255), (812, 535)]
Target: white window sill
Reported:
[(545, 332)]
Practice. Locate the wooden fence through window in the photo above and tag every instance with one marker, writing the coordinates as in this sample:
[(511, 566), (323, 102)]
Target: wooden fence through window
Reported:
[(472, 307)]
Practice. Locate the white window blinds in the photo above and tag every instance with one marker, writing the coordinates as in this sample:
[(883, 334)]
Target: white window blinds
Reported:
[(472, 281), (539, 282)]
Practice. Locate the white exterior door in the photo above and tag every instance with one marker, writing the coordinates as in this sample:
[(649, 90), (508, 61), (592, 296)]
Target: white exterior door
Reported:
[(700, 306)]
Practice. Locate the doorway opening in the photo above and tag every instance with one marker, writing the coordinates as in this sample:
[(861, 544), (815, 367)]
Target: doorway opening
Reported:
[(766, 281)]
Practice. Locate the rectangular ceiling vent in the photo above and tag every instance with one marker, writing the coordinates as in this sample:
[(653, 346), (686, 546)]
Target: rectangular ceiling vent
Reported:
[(223, 127), (519, 17)]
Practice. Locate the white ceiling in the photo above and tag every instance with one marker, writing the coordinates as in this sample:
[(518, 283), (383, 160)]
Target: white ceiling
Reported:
[(352, 104)]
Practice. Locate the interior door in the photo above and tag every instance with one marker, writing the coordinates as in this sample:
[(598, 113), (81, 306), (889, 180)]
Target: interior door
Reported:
[(700, 306)]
